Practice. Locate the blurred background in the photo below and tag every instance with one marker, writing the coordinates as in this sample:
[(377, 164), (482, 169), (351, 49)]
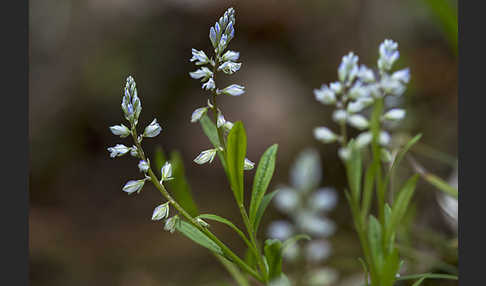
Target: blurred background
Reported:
[(85, 231)]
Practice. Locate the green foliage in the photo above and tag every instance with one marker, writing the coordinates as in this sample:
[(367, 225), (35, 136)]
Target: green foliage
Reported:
[(179, 185), (261, 209), (273, 256), (263, 175), (209, 128), (198, 236), (235, 159), (228, 223)]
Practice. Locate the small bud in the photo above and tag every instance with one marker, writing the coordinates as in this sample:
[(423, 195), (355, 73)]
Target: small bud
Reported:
[(120, 130), (229, 67), (134, 151), (199, 57), (166, 172), (348, 69), (324, 135), (339, 116), (118, 150), (143, 166), (325, 95), (201, 222), (133, 186), (388, 55), (384, 138), (394, 114), (205, 156), (234, 90), (363, 139), (231, 56), (248, 165), (161, 212), (358, 121), (198, 113), (171, 223), (152, 130), (209, 85), (221, 121)]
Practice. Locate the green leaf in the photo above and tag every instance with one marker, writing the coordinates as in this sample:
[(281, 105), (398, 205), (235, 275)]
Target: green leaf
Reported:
[(273, 255), (263, 175), (375, 242), (365, 269), (428, 276), (390, 268), (354, 171), (179, 186), (235, 159), (261, 209), (440, 184), (368, 190), (211, 132), (418, 282), (401, 204), (294, 239), (197, 236), (228, 223)]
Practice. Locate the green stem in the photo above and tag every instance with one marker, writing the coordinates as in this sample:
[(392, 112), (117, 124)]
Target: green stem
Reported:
[(376, 150)]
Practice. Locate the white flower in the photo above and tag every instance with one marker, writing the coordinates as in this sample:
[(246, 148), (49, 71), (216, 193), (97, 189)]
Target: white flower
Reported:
[(120, 130), (212, 37), (198, 113), (143, 166), (306, 172), (205, 156), (118, 150), (234, 90), (388, 55), (317, 250), (221, 121), (339, 116), (358, 91), (286, 200), (337, 87), (363, 139), (325, 95), (203, 73), (209, 85), (358, 121), (394, 114), (402, 75), (133, 186), (161, 212), (366, 74), (348, 69), (344, 153), (166, 172), (359, 104), (227, 126), (199, 57), (391, 86), (280, 229), (153, 129), (315, 225), (324, 135), (231, 56), (324, 199), (171, 223), (248, 165), (229, 67), (384, 138)]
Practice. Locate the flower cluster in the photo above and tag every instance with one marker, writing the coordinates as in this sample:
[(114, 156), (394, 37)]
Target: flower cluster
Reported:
[(224, 61), (358, 88), (132, 107), (306, 205)]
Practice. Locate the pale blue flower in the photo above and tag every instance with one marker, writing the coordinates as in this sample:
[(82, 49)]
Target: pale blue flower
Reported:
[(171, 224), (143, 166), (230, 56), (248, 165), (394, 114), (388, 55), (203, 73), (348, 69), (161, 212), (209, 85), (280, 229), (153, 129), (120, 130), (118, 150), (325, 95), (229, 67), (133, 186), (286, 199), (324, 134), (166, 172), (205, 156), (358, 121), (234, 90), (198, 113)]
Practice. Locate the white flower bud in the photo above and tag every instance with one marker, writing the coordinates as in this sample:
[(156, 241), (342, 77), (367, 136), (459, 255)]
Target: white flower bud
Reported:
[(171, 223), (402, 76), (394, 114), (227, 126), (143, 166), (198, 113), (323, 200), (317, 251), (231, 56), (286, 200), (280, 229), (315, 225), (203, 73), (360, 104), (201, 222), (209, 85), (248, 165), (324, 134), (234, 90), (358, 121), (366, 74), (118, 150), (221, 121), (336, 87), (325, 95), (339, 116), (134, 151), (120, 130), (384, 138), (363, 139), (229, 67), (358, 91), (166, 172), (161, 212), (348, 69), (205, 156), (344, 153), (199, 57), (152, 130), (133, 186), (388, 55)]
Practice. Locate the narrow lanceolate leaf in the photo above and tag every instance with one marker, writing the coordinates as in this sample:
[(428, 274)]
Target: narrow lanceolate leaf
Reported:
[(263, 175), (367, 190), (235, 159), (228, 223), (179, 186), (261, 209), (403, 199), (441, 184), (273, 255), (197, 236), (418, 282), (294, 239), (374, 239)]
